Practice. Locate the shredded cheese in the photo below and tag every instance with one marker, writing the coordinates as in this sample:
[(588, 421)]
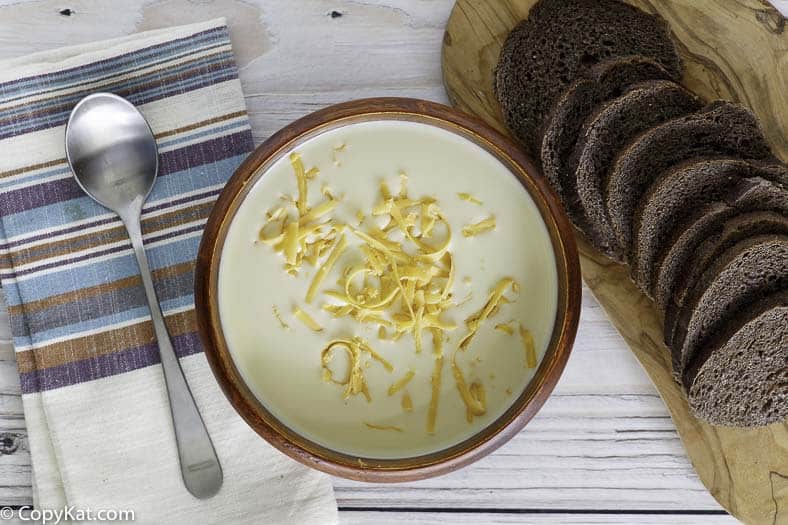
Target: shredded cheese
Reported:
[(437, 341), (473, 396), (400, 384), (336, 252), (432, 413), (403, 283), (474, 322), (405, 279), (307, 319), (465, 300), (528, 346), (278, 316), (407, 402), (300, 173), (383, 427), (482, 226), (317, 212), (467, 197), (338, 149), (505, 328), (306, 236), (355, 383)]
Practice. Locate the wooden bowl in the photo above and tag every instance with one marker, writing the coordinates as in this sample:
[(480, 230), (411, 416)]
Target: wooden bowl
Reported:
[(490, 437)]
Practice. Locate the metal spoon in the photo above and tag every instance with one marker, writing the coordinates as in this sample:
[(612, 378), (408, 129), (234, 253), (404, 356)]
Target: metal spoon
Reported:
[(113, 155)]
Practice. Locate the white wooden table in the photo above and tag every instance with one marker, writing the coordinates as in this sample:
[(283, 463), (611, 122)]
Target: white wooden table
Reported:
[(602, 450)]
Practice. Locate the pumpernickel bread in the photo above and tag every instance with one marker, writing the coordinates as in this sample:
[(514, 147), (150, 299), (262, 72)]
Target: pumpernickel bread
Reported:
[(743, 274), (601, 82), (559, 39), (720, 129), (605, 133), (699, 244), (744, 381), (716, 229), (674, 200), (690, 197)]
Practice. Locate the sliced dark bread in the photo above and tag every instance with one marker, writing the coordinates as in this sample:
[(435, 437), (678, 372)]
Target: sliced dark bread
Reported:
[(703, 267), (744, 381), (718, 339), (760, 209), (720, 129), (743, 274), (603, 81), (674, 200), (559, 39), (605, 133)]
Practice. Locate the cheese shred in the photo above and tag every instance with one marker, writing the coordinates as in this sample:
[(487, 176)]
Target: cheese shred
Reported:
[(278, 316), (490, 308), (336, 252), (400, 384), (467, 197), (473, 396), (407, 402), (528, 345), (505, 328), (432, 413), (355, 383), (480, 227), (300, 173), (307, 319), (383, 427)]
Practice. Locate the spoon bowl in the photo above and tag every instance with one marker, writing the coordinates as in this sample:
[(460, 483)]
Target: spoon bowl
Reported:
[(112, 152)]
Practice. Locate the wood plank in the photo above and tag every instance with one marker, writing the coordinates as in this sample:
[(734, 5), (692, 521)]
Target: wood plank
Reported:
[(735, 50), (576, 453)]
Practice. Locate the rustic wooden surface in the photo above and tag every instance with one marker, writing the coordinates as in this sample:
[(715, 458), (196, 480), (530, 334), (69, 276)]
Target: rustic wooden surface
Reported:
[(602, 450), (735, 50)]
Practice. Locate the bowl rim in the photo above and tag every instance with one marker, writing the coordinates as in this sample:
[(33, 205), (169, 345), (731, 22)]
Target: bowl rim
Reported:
[(488, 438)]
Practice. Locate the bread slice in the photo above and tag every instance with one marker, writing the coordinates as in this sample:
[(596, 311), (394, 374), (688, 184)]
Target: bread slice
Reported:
[(745, 273), (703, 242), (756, 207), (603, 81), (673, 200), (720, 129), (717, 340), (607, 131), (559, 39), (744, 381)]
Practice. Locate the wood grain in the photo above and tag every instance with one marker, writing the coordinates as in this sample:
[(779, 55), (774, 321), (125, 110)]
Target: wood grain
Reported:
[(735, 50)]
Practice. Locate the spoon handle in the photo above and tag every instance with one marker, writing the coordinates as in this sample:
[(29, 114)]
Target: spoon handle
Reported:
[(200, 468)]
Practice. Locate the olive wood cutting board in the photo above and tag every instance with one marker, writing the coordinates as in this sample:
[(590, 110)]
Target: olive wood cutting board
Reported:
[(732, 49)]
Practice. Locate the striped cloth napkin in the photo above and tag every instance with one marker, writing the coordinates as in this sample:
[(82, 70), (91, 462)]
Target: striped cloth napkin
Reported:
[(96, 409)]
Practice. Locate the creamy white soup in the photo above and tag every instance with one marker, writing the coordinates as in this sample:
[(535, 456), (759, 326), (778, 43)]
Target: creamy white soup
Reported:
[(407, 343)]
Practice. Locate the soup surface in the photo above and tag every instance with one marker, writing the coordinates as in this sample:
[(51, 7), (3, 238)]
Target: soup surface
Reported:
[(399, 402)]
